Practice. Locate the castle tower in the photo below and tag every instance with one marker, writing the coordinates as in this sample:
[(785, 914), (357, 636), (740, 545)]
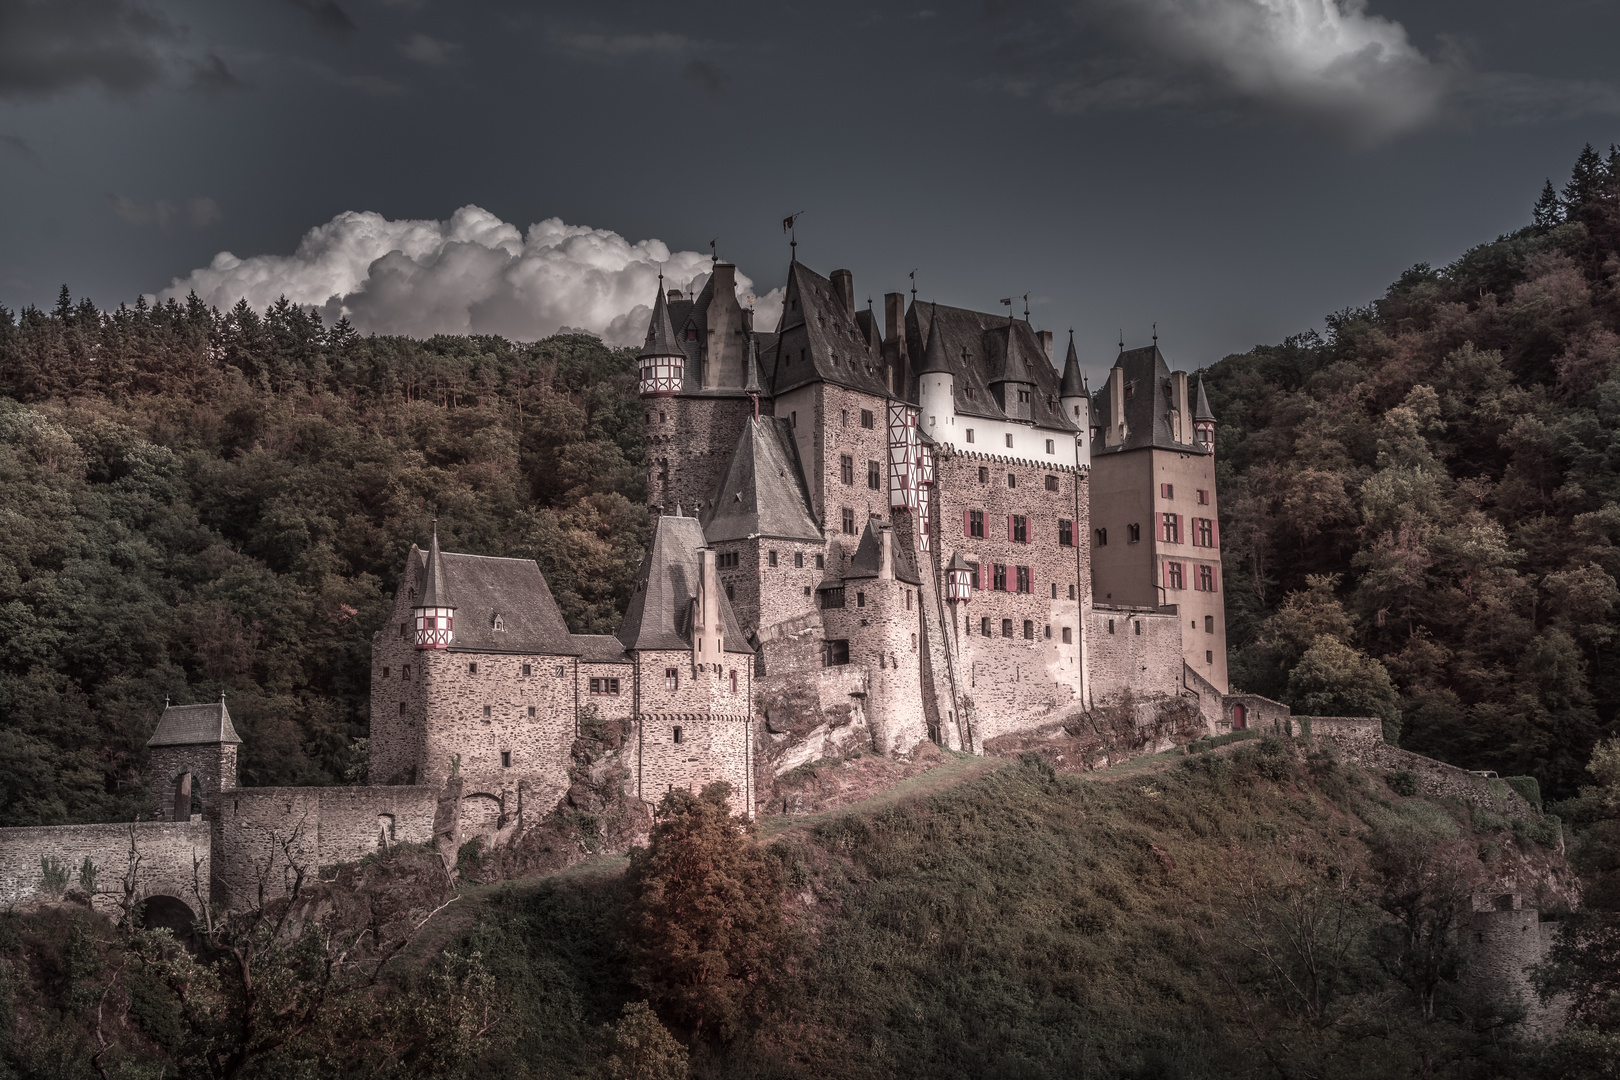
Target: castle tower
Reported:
[(434, 614), (1204, 422), (936, 386), (193, 752), (1075, 400), (1012, 380), (663, 364)]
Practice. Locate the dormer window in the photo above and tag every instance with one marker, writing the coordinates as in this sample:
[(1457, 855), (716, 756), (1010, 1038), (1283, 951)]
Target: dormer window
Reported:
[(1130, 390), (497, 624)]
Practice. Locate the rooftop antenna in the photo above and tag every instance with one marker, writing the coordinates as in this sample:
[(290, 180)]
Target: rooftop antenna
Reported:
[(793, 235)]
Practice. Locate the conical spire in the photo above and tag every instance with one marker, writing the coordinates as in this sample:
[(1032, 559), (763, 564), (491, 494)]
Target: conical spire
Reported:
[(752, 363), (934, 354), (1074, 384), (434, 594), (1202, 411), (660, 330), (1016, 367)]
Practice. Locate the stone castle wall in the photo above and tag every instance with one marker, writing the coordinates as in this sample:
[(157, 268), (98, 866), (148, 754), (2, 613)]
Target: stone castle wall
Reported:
[(1135, 649), (1014, 683), (396, 748), (881, 620), (1362, 740), (173, 857), (212, 768), (698, 731), (262, 836), (1501, 942), (690, 440)]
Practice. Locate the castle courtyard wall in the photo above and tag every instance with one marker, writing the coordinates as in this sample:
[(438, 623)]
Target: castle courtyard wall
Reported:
[(1135, 649), (173, 857)]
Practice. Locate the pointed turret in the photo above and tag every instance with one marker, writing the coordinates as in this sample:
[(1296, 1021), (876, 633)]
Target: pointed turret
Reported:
[(435, 613), (936, 384), (663, 363), (1073, 379), (1204, 421), (934, 355), (1012, 378)]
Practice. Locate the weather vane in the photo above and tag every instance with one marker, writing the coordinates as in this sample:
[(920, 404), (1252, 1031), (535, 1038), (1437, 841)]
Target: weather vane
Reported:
[(788, 227)]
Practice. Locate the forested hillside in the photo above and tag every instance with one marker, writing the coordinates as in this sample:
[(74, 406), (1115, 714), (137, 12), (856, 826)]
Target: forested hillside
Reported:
[(1420, 510), (197, 503)]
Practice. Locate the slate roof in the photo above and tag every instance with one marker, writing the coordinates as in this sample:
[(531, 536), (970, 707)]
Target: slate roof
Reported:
[(661, 339), (934, 355), (1201, 410), (433, 590), (600, 649), (481, 587), (660, 614), (834, 347), (764, 492), (983, 338), (194, 725), (1074, 382), (1147, 409), (869, 557)]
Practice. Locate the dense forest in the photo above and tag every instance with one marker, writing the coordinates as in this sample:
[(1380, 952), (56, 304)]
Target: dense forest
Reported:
[(1420, 509), (200, 503)]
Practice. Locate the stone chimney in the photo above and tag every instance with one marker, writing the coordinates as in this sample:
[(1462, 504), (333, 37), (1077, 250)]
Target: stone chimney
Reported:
[(1181, 406), (707, 646), (843, 283), (1045, 338), (886, 558)]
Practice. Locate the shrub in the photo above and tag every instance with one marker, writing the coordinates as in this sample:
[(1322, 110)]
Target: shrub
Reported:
[(1527, 786), (1404, 782), (643, 1049), (53, 875)]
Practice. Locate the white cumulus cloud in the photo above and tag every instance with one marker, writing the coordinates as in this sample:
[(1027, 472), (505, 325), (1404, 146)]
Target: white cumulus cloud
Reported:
[(472, 274), (1326, 59)]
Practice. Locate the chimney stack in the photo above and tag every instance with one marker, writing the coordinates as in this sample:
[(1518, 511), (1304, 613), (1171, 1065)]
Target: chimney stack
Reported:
[(886, 561), (1182, 423), (843, 283), (706, 643), (1045, 337)]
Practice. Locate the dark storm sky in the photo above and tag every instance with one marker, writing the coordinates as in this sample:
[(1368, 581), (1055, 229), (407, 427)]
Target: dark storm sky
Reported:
[(1231, 169)]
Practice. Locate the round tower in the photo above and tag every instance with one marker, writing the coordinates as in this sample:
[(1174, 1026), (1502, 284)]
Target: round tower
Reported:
[(936, 386), (1203, 422), (663, 364), (1075, 400), (434, 614)]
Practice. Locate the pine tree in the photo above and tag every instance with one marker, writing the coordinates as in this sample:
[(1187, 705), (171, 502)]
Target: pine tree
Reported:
[(1587, 181), (1548, 212)]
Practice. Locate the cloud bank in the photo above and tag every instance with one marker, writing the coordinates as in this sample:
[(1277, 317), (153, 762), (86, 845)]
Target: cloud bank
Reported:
[(472, 274), (1325, 61)]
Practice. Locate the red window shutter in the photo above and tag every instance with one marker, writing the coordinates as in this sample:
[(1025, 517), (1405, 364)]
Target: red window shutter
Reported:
[(1215, 579), (1167, 574), (1215, 530), (1009, 526), (1179, 520), (967, 524)]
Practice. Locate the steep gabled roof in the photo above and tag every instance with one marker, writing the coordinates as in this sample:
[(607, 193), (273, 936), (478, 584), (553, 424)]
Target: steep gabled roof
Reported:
[(434, 593), (194, 725), (1009, 363), (868, 559), (983, 338), (1147, 404), (481, 588), (1074, 381), (821, 342), (660, 613), (934, 356), (764, 492), (1202, 410), (661, 339)]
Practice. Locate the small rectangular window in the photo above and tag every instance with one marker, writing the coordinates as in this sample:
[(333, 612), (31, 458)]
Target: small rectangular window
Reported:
[(835, 653), (984, 474), (677, 734), (506, 759), (1048, 633), (984, 625), (973, 572), (1068, 635), (1071, 592), (1138, 627), (405, 672), (1110, 626), (860, 599), (1102, 537), (1051, 449), (969, 434), (528, 669), (770, 558), (404, 629), (486, 712), (847, 520), (1203, 497), (1012, 480), (874, 476), (1209, 656), (976, 524), (402, 708), (998, 581), (866, 419), (1167, 491), (846, 469), (821, 562), (472, 667), (798, 560), (1009, 442), (672, 678), (1051, 481), (908, 599), (1018, 528), (1172, 576), (1133, 533), (560, 670), (1006, 628), (385, 673), (1209, 624), (1025, 580), (1065, 533), (531, 712)]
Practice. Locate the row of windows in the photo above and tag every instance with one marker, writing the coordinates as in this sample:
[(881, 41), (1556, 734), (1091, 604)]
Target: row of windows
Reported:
[(986, 629), (1202, 578), (672, 681), (1018, 529), (1168, 491), (472, 669), (1023, 396), (846, 472), (1051, 479), (1172, 530), (837, 598)]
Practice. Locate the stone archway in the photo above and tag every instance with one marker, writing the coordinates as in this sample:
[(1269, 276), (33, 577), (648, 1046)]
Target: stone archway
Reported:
[(171, 913), (480, 815)]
